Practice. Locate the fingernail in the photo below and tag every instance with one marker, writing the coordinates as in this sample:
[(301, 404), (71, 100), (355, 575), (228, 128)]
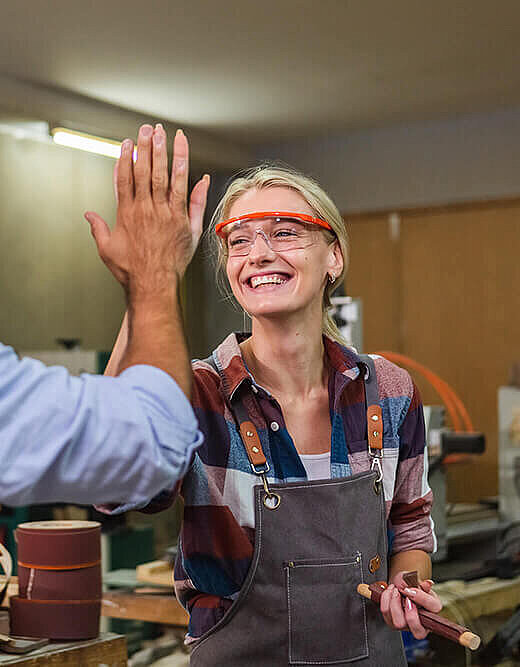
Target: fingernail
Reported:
[(430, 581), (207, 177), (146, 131), (127, 143), (408, 604), (179, 132), (395, 593), (410, 591), (159, 126), (87, 217)]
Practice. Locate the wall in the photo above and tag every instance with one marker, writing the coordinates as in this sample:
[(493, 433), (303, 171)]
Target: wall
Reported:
[(475, 156), (446, 293), (52, 283)]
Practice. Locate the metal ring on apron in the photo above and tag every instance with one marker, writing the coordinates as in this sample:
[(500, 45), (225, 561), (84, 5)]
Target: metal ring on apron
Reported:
[(271, 500), (376, 465)]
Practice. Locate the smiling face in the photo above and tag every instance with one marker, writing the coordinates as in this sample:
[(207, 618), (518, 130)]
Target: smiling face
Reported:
[(286, 268)]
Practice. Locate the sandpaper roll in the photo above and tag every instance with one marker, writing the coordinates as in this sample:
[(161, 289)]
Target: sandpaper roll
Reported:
[(59, 580), (66, 620), (58, 544), (79, 584)]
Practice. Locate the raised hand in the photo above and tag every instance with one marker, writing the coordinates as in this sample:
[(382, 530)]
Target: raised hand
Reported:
[(156, 231)]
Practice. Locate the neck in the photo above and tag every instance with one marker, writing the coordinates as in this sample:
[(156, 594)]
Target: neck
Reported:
[(287, 357)]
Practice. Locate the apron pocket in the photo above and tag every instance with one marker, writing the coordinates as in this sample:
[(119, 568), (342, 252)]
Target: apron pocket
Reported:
[(327, 621)]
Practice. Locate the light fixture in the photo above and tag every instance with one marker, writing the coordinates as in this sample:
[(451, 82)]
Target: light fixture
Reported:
[(86, 142)]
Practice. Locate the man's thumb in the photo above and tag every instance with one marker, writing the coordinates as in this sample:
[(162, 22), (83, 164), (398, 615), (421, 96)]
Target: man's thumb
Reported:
[(99, 228)]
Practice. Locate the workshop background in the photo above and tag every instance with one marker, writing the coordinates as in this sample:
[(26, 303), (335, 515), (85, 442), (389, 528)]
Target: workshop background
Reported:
[(408, 113)]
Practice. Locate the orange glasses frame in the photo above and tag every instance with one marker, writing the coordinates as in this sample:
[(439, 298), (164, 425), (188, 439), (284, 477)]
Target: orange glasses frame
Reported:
[(303, 217)]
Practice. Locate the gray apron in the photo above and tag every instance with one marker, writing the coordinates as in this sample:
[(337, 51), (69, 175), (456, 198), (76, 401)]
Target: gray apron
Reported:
[(314, 543)]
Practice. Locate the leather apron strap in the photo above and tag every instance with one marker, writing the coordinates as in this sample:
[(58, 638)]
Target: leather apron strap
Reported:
[(374, 417), (253, 445)]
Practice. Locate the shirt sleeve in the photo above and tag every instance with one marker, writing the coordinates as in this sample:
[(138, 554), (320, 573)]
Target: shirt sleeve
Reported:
[(91, 439), (410, 518)]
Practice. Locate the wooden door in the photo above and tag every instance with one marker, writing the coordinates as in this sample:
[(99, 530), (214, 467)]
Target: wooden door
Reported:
[(455, 287)]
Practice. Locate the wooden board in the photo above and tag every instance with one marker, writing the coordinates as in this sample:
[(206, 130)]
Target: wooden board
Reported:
[(107, 649), (153, 608), (158, 573)]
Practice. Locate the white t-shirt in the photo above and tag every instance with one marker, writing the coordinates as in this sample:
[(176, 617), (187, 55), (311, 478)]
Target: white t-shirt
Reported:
[(317, 466)]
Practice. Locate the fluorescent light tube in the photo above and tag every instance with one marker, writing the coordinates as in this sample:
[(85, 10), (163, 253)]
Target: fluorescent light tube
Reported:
[(86, 142)]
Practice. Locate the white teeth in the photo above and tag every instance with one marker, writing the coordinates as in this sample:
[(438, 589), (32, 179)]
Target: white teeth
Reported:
[(265, 280)]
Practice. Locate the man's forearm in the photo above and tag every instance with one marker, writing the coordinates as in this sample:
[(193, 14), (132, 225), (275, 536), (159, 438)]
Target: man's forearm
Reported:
[(156, 336), (414, 559)]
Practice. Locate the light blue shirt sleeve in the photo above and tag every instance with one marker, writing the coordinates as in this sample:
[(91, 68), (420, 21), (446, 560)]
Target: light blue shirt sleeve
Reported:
[(90, 439)]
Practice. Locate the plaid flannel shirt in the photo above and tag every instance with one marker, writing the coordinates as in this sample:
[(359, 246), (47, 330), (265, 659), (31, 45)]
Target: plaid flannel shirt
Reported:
[(217, 535)]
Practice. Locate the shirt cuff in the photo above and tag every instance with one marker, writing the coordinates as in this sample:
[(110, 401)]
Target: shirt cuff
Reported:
[(172, 399), (174, 422)]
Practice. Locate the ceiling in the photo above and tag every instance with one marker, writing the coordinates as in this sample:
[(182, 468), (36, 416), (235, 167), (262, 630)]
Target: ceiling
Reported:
[(270, 70)]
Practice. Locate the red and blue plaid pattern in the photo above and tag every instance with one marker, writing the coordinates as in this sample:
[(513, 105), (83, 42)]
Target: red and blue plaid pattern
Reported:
[(217, 536)]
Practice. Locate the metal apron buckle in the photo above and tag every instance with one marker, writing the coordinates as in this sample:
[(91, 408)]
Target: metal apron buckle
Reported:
[(376, 465), (271, 500)]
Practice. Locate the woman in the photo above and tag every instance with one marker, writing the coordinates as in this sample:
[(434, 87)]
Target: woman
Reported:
[(289, 501)]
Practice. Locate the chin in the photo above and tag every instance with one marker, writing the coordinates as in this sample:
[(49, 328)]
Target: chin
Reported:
[(270, 310)]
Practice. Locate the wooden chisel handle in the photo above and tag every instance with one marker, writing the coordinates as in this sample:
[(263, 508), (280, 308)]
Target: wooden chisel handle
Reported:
[(434, 622)]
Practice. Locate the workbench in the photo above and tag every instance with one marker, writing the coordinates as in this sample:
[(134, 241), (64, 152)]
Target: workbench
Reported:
[(108, 649), (144, 594), (154, 608)]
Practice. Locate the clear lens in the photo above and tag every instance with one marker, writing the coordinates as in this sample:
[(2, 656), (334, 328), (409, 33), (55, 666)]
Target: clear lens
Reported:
[(278, 233)]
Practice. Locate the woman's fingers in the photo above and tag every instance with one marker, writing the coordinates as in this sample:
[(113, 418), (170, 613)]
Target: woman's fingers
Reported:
[(412, 620), (391, 606), (179, 177), (396, 610), (384, 604), (198, 199), (159, 165), (428, 601), (143, 165), (426, 585), (124, 174)]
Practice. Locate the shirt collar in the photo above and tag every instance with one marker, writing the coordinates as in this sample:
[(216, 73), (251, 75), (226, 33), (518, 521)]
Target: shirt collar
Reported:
[(234, 374)]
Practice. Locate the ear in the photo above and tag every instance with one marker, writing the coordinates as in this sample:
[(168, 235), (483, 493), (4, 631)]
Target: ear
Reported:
[(335, 261)]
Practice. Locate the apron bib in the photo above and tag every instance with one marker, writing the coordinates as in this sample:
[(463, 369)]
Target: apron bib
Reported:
[(314, 543)]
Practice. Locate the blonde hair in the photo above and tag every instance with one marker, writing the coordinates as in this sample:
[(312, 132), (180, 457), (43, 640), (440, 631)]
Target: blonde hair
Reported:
[(269, 175)]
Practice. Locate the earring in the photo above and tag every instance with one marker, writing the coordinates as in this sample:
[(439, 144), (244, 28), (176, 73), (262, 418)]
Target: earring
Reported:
[(332, 277)]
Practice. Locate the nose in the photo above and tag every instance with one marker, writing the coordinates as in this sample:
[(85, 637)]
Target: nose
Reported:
[(261, 248)]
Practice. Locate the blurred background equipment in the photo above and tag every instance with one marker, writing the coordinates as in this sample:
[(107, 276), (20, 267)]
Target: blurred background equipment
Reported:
[(348, 314)]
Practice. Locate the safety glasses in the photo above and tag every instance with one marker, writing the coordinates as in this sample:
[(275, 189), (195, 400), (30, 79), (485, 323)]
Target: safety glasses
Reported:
[(280, 230)]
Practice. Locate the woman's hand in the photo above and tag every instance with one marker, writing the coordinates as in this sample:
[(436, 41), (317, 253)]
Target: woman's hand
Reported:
[(400, 611)]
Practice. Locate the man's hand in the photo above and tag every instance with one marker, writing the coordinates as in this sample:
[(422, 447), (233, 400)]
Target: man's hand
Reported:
[(399, 605), (156, 232), (152, 243)]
